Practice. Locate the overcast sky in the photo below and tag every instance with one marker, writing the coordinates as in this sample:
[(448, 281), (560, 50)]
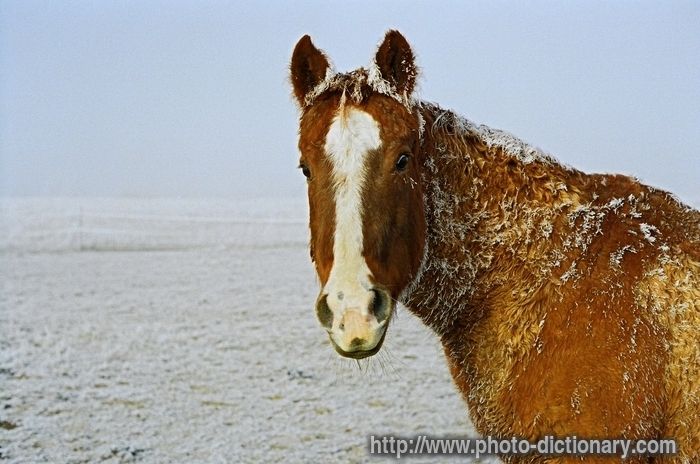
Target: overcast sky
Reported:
[(190, 98)]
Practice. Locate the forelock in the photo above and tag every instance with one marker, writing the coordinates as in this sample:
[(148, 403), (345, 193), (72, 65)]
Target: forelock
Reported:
[(357, 86)]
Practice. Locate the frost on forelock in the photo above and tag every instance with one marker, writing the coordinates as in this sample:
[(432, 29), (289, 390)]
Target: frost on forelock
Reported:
[(352, 84)]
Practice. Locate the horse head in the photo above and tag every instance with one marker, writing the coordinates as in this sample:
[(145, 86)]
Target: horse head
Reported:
[(359, 138)]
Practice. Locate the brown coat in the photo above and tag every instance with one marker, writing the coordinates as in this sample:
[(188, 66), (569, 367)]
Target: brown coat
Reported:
[(568, 303)]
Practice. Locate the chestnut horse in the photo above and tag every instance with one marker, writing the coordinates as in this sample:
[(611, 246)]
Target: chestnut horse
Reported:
[(568, 304)]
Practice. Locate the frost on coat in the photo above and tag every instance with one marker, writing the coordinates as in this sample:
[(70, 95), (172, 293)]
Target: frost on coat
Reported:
[(567, 303)]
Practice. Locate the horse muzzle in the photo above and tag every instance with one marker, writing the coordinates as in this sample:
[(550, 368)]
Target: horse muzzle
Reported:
[(356, 330)]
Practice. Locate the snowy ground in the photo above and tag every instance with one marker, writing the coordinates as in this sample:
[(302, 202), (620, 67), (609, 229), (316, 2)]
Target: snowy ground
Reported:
[(183, 331)]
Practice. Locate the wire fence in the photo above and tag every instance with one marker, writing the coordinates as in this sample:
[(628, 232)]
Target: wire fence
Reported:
[(79, 224)]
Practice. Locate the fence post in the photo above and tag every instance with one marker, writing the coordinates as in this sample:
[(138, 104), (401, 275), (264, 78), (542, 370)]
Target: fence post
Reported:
[(80, 230)]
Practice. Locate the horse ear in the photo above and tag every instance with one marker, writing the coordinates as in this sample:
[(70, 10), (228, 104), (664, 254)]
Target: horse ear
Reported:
[(396, 62), (308, 68)]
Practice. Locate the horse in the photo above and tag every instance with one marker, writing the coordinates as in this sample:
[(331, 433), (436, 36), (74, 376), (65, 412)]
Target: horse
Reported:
[(567, 303)]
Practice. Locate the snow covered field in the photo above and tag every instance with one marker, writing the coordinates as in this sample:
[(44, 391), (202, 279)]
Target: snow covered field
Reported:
[(184, 331)]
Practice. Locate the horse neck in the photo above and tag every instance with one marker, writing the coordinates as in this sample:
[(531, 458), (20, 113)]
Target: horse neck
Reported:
[(491, 203)]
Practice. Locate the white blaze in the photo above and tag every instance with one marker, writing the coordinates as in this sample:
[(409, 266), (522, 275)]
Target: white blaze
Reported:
[(351, 136)]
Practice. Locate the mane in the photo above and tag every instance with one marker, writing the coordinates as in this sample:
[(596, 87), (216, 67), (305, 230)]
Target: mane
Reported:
[(492, 138)]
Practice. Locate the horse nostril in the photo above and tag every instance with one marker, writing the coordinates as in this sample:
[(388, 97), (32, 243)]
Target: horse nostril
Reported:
[(324, 313), (379, 305), (342, 326)]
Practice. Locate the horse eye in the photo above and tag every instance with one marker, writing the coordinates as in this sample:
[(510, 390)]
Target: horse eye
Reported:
[(305, 170), (402, 162)]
